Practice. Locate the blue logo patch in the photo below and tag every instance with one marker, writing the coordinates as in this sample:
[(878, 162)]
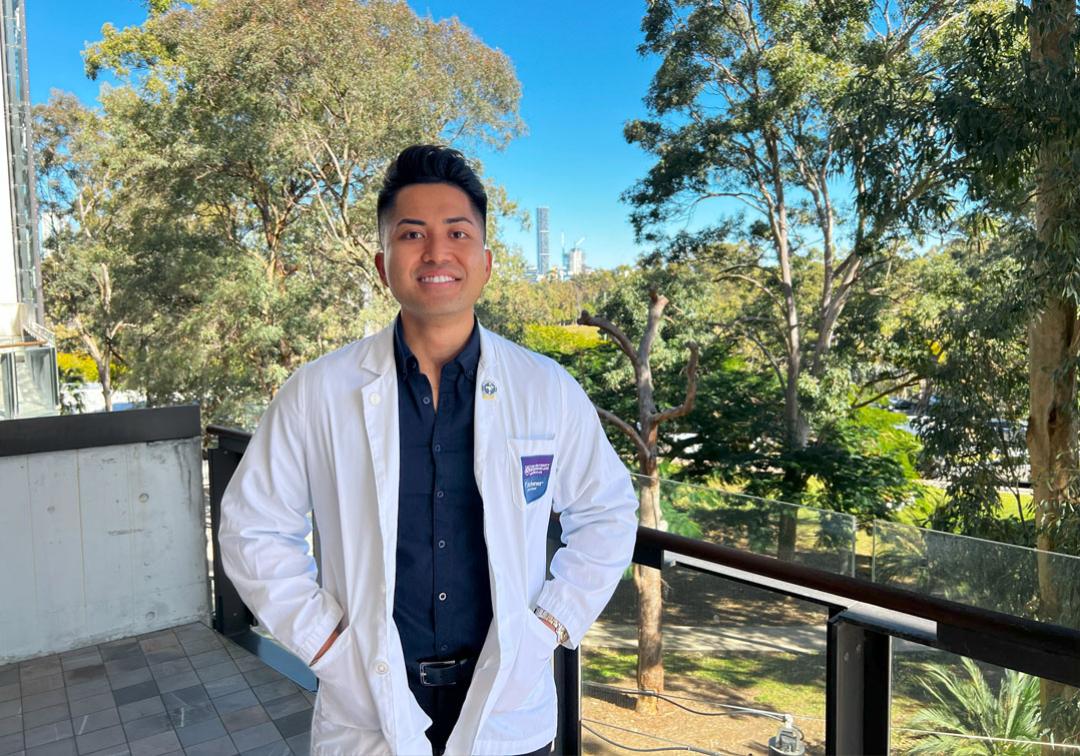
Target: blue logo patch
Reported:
[(535, 471)]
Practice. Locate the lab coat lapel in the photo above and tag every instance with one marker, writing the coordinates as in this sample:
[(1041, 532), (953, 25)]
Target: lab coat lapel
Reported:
[(381, 425)]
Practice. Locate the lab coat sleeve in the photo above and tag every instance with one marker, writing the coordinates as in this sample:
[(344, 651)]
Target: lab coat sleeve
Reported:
[(598, 511), (264, 527)]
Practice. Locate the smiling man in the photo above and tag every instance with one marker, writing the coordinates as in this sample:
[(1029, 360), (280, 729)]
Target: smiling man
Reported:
[(432, 455)]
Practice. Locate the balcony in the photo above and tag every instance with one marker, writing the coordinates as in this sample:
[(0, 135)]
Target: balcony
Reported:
[(29, 385), (825, 651)]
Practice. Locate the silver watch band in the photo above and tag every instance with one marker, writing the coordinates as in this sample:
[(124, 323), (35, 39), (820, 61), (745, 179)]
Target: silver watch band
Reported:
[(550, 618)]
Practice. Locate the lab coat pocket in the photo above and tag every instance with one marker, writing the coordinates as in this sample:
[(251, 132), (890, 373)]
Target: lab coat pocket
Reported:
[(344, 695), (533, 660), (533, 462)]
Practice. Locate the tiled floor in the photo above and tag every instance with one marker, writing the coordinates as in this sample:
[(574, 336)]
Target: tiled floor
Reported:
[(185, 690)]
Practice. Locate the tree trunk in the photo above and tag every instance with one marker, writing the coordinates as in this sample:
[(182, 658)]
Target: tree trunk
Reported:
[(106, 386), (647, 581), (797, 434), (1052, 426), (1052, 432)]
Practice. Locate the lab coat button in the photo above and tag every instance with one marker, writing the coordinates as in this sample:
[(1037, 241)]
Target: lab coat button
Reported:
[(382, 668), (374, 398)]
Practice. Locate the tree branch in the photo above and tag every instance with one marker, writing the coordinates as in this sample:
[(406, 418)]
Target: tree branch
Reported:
[(614, 332), (625, 427), (657, 303), (691, 390)]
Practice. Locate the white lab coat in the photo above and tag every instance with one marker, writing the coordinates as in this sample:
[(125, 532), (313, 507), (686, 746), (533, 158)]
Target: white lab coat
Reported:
[(329, 443)]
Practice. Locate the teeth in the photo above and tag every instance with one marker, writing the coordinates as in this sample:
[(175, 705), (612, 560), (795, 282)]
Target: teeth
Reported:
[(437, 279)]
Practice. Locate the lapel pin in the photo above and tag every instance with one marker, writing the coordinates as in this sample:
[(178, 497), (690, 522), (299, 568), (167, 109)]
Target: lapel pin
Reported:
[(487, 388)]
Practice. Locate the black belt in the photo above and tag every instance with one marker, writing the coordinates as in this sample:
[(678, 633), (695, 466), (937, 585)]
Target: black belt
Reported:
[(434, 674)]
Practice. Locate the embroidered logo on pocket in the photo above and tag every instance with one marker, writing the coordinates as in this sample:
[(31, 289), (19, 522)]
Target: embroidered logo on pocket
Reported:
[(535, 471)]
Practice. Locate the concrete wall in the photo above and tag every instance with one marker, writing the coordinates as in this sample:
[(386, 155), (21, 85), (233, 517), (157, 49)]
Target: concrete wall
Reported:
[(100, 543)]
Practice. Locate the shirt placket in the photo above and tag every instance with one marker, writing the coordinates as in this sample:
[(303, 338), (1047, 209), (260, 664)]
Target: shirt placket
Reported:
[(440, 520)]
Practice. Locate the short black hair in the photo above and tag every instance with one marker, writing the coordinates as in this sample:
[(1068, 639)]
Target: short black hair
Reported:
[(430, 164)]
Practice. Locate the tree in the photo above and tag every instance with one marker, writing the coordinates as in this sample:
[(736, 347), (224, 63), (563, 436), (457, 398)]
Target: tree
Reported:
[(252, 138), (749, 104), (644, 434), (1012, 105), (84, 263)]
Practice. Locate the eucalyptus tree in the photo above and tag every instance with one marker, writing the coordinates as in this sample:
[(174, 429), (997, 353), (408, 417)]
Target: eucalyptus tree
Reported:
[(84, 271), (1012, 104), (753, 104), (264, 128)]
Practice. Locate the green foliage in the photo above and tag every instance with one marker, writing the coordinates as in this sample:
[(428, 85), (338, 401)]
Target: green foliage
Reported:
[(561, 340), (968, 706), (76, 368), (228, 182)]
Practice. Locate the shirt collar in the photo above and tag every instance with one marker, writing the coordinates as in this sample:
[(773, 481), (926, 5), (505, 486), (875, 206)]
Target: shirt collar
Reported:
[(467, 359)]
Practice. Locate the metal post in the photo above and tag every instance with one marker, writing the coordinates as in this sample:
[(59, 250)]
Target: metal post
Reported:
[(858, 689), (568, 684), (231, 616)]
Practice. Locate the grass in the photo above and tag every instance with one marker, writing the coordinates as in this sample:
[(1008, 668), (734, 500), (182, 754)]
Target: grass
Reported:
[(783, 682)]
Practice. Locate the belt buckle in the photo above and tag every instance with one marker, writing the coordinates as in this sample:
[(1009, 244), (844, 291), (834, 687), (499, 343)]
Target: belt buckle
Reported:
[(425, 666)]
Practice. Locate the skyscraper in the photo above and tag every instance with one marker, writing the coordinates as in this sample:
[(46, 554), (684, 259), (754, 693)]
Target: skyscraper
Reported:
[(28, 380), (576, 265), (542, 241)]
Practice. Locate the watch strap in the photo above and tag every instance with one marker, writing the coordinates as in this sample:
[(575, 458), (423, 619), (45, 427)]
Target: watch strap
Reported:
[(550, 618)]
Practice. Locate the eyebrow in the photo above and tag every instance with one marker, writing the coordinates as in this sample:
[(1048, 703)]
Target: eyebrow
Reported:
[(448, 221)]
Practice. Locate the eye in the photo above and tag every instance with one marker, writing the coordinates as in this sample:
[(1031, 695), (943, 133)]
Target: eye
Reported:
[(412, 235), (459, 234)]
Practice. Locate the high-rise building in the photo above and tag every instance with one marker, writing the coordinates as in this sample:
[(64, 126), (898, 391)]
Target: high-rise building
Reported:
[(28, 379), (542, 242), (576, 264)]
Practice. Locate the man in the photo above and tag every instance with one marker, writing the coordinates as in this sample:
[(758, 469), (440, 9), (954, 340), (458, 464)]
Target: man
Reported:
[(432, 455)]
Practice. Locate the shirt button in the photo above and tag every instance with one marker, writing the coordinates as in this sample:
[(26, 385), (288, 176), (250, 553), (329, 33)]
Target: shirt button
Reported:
[(438, 447), (442, 597), (374, 398), (438, 494), (443, 647), (427, 400), (442, 544), (382, 668)]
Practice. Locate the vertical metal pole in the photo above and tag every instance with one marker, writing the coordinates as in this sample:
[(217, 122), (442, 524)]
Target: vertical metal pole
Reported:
[(231, 616), (568, 684), (567, 675), (858, 689)]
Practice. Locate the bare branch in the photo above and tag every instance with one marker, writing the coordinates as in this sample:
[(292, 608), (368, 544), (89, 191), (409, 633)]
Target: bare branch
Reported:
[(614, 332), (886, 392), (657, 303), (625, 427), (691, 390)]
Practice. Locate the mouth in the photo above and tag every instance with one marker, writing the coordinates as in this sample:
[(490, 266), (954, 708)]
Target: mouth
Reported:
[(438, 279)]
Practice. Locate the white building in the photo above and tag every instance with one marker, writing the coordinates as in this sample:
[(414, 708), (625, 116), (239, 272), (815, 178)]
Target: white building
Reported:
[(28, 379)]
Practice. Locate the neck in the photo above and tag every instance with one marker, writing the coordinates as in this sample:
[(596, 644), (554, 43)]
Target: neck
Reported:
[(435, 343)]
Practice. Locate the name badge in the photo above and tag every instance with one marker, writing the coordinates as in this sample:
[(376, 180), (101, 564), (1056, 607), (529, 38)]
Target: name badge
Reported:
[(535, 471)]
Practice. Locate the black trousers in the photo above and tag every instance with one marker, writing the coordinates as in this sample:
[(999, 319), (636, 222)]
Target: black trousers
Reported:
[(443, 705)]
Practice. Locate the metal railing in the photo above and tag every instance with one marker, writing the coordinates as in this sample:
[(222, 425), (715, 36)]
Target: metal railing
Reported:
[(864, 618)]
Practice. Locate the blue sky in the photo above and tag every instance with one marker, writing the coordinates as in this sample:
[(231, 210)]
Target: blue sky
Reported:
[(581, 80)]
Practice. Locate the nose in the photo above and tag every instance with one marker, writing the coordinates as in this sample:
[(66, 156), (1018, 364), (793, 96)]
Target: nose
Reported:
[(436, 249)]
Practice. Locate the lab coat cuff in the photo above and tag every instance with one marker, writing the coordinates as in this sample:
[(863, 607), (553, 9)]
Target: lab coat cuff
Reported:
[(313, 640), (554, 599)]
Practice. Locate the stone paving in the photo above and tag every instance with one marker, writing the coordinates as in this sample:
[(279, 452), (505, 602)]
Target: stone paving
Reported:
[(184, 690)]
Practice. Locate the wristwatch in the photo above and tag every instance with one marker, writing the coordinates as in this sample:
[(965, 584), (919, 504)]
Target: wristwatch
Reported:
[(548, 617)]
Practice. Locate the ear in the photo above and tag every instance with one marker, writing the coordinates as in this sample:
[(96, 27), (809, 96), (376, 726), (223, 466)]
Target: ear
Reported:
[(487, 263), (380, 265)]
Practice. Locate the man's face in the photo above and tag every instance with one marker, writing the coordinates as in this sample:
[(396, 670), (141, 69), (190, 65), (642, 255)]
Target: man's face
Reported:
[(433, 257)]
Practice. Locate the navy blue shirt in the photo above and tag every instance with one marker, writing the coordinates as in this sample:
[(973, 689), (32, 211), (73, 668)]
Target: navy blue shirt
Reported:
[(442, 597)]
